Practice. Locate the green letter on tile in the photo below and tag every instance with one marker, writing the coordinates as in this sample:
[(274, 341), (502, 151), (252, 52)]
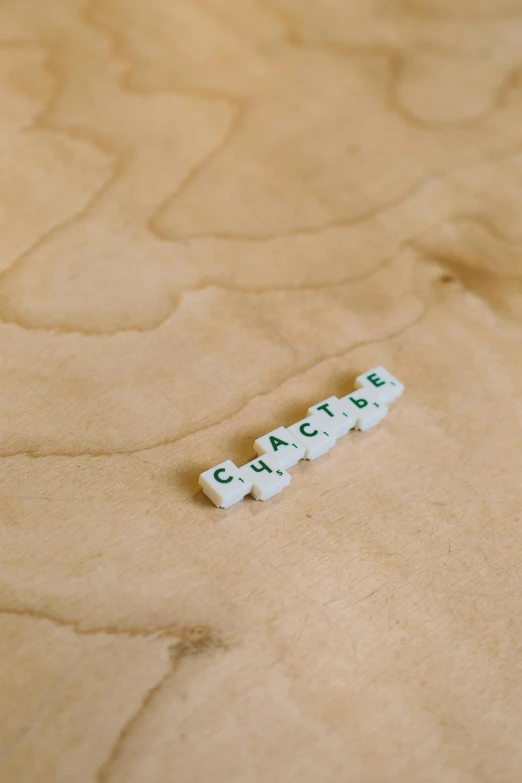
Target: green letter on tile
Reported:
[(325, 409), (276, 442), (308, 434), (261, 469), (360, 403), (374, 378), (222, 481)]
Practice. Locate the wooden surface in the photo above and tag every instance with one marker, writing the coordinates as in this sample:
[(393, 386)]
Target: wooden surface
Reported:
[(214, 214)]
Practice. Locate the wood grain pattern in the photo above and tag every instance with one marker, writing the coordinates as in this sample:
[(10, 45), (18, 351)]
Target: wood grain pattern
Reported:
[(214, 214)]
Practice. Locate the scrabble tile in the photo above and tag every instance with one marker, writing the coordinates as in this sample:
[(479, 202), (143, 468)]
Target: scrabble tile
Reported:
[(280, 444), (224, 484), (314, 436), (265, 476), (334, 417), (383, 382), (367, 406)]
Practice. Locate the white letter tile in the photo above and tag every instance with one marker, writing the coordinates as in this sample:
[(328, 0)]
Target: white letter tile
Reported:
[(282, 446), (266, 477), (336, 420), (224, 485), (367, 406), (380, 380), (314, 436)]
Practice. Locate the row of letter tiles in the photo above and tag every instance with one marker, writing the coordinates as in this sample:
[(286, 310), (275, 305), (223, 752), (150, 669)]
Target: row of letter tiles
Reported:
[(267, 475)]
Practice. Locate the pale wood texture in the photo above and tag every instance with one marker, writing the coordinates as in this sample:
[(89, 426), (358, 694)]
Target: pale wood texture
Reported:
[(215, 214)]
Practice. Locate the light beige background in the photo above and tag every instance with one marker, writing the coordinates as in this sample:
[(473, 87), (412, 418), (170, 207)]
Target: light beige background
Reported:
[(214, 214)]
